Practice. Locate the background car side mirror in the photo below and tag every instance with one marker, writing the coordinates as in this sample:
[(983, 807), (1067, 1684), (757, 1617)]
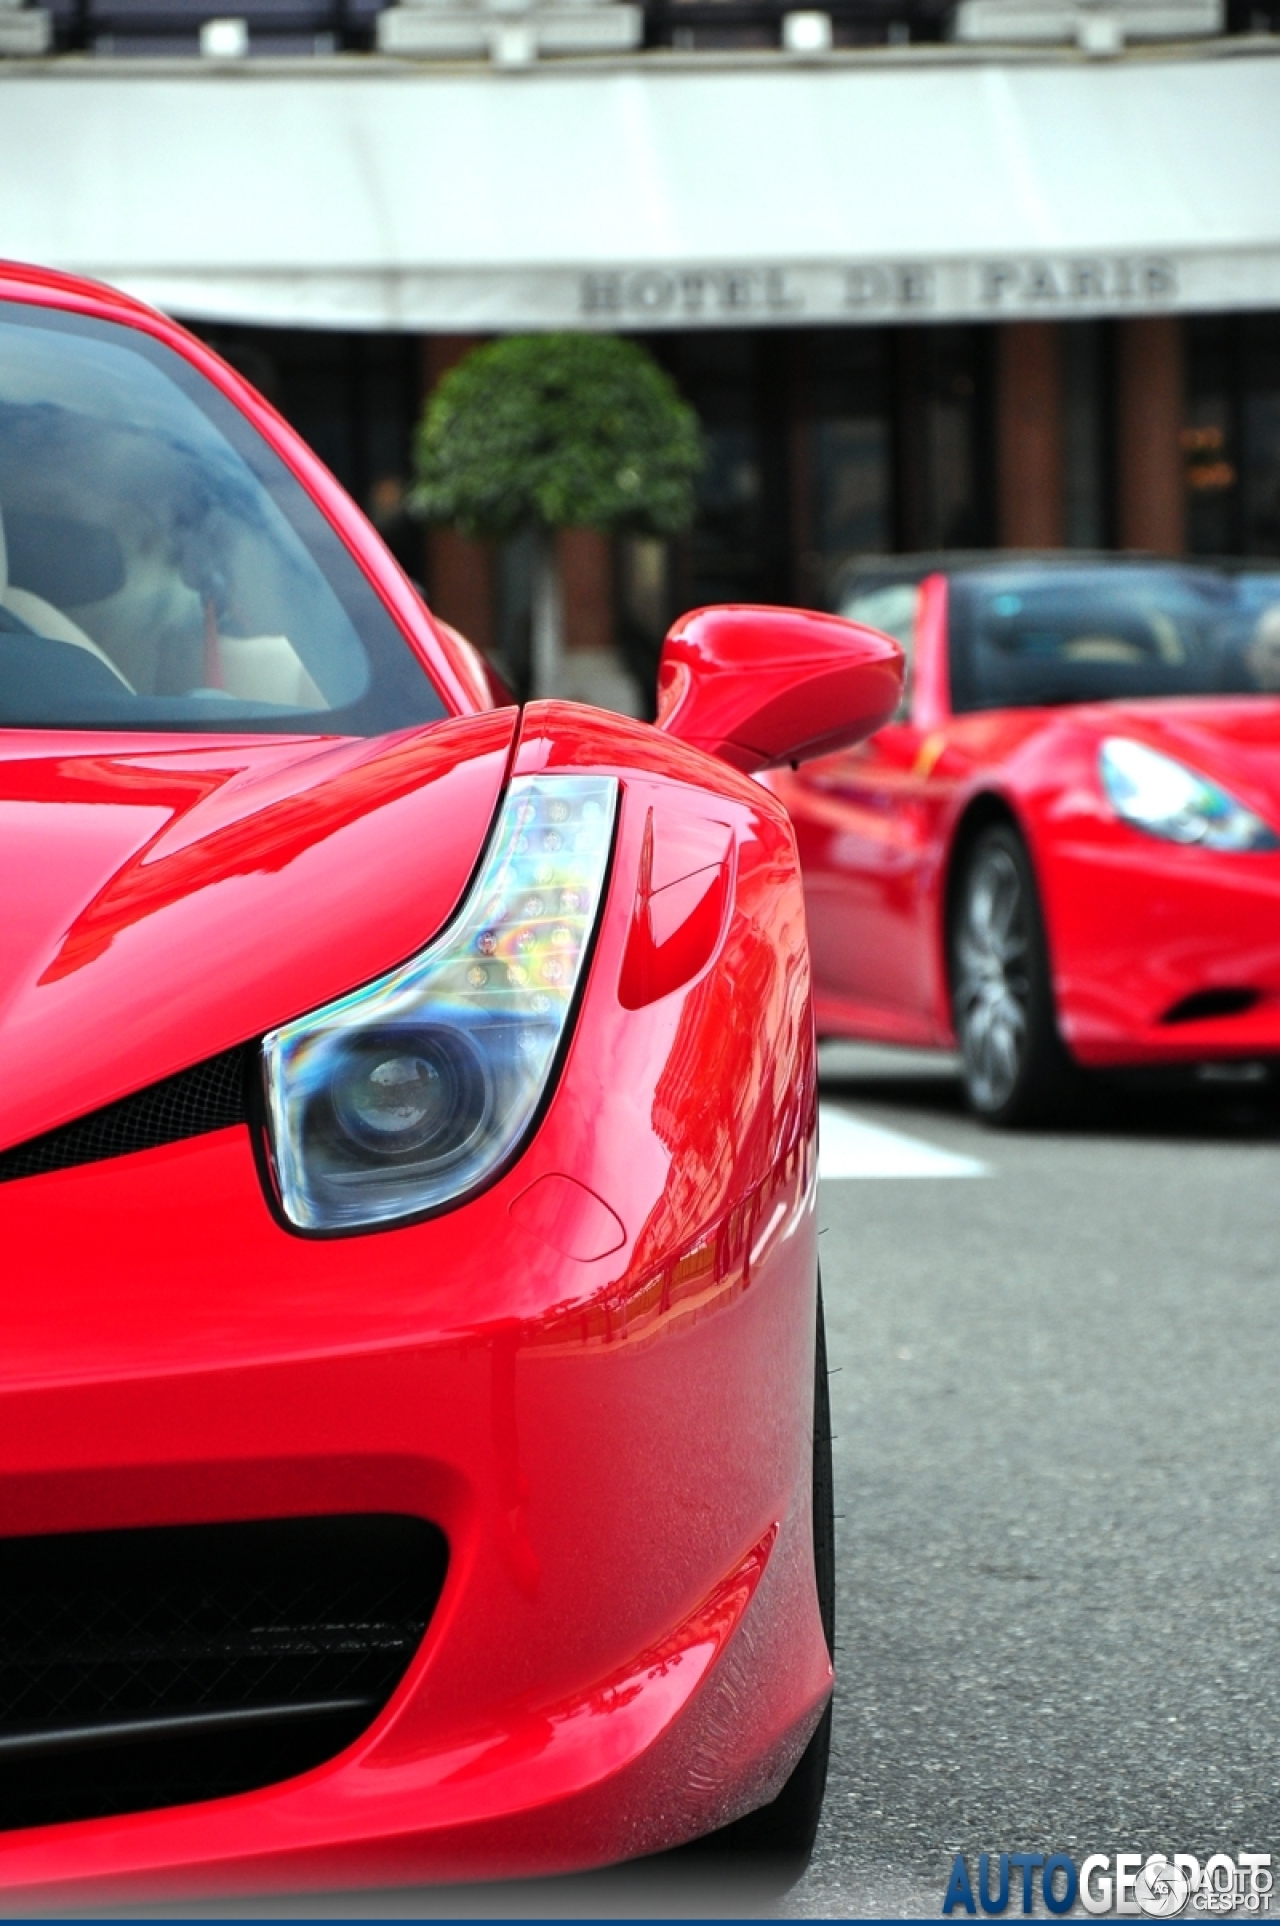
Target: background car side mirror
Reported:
[(762, 686)]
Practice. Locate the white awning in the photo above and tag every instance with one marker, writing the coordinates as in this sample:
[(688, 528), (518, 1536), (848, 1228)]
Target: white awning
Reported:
[(656, 191)]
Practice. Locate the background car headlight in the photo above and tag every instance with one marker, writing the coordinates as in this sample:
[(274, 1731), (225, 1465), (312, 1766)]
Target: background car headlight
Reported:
[(1167, 799), (412, 1092)]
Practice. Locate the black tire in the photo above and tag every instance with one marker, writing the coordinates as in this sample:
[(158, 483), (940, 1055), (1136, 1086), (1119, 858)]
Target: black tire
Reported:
[(775, 1843), (1015, 1066)]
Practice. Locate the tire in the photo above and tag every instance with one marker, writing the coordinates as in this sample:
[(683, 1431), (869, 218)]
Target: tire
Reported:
[(775, 1843), (1015, 1066)]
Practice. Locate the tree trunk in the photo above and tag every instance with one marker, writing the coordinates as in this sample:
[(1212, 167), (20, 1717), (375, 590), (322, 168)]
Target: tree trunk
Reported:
[(548, 617)]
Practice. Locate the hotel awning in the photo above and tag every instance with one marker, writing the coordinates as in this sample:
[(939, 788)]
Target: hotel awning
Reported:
[(655, 191)]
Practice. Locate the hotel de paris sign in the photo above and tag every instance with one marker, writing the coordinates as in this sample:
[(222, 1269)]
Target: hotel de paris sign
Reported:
[(905, 291), (686, 295)]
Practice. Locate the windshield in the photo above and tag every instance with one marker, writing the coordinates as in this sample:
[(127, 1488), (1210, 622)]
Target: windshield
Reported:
[(1026, 637), (160, 568)]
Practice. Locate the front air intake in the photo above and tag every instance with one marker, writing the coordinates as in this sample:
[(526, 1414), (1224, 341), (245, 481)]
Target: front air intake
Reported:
[(169, 1664), (1202, 1005), (208, 1096)]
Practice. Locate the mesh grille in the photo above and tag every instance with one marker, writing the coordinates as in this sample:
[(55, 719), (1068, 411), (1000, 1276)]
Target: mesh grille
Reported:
[(208, 1096), (159, 1666)]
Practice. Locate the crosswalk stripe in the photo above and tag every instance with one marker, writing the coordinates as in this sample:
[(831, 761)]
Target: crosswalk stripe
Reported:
[(849, 1146)]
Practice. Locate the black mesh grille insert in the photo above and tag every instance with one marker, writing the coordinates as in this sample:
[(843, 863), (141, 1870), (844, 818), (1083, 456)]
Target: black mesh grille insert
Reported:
[(159, 1666), (208, 1096)]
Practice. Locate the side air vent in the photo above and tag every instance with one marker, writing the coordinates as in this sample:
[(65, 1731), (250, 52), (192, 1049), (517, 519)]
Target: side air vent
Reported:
[(1211, 1003), (208, 1096), (158, 1666)]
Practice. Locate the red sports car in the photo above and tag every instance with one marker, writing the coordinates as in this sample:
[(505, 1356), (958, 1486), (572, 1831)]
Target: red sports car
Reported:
[(415, 1460), (1063, 854)]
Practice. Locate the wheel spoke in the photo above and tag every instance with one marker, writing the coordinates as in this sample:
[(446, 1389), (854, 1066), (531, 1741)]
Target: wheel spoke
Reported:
[(993, 977)]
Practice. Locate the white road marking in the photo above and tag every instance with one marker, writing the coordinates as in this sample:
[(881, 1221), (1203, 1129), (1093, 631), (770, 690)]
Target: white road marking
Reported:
[(849, 1146)]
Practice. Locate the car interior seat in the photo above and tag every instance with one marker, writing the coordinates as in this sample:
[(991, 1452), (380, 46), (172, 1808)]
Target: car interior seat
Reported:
[(46, 620), (266, 668)]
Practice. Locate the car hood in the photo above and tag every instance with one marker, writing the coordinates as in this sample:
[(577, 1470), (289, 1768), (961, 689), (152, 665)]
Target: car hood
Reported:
[(167, 899), (1233, 739)]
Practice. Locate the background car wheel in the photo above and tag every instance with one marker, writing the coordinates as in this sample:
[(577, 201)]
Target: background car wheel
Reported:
[(775, 1843), (1015, 1067)]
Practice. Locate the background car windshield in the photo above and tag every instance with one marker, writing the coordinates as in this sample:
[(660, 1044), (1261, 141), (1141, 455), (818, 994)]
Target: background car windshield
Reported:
[(1023, 638), (890, 607), (160, 568)]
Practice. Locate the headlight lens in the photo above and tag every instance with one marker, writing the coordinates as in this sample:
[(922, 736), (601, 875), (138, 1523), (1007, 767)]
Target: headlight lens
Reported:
[(1167, 799), (412, 1092)]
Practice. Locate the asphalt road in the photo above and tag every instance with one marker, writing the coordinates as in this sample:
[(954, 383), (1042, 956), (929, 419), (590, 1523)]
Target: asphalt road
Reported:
[(1057, 1399)]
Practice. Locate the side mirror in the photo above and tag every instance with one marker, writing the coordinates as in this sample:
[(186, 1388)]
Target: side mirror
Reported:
[(762, 686)]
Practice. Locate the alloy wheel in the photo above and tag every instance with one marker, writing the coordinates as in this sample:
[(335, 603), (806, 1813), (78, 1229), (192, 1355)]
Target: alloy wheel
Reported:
[(992, 978)]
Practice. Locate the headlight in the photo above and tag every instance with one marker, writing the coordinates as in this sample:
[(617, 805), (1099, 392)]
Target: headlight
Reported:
[(414, 1091), (1167, 799)]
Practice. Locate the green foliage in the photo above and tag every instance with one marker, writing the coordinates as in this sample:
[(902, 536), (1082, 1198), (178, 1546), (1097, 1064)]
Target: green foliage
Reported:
[(558, 431)]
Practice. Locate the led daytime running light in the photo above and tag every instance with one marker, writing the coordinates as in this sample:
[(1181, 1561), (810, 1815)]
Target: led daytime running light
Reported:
[(410, 1093)]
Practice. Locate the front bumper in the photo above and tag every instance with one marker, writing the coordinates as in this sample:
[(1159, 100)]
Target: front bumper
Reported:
[(1144, 935), (627, 1650)]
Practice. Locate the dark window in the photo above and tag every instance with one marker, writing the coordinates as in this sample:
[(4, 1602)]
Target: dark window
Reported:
[(173, 26), (1260, 433), (1211, 436), (1231, 441), (843, 454), (739, 547), (944, 488), (1088, 453), (799, 477)]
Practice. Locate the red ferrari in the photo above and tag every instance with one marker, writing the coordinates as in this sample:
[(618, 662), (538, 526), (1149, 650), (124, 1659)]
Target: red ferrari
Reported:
[(1063, 853), (415, 1456)]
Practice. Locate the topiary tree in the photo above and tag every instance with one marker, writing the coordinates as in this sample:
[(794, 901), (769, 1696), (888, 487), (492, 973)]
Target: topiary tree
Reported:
[(545, 431)]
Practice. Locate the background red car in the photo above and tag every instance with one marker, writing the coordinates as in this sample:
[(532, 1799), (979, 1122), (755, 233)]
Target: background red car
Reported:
[(1063, 853), (415, 1461)]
